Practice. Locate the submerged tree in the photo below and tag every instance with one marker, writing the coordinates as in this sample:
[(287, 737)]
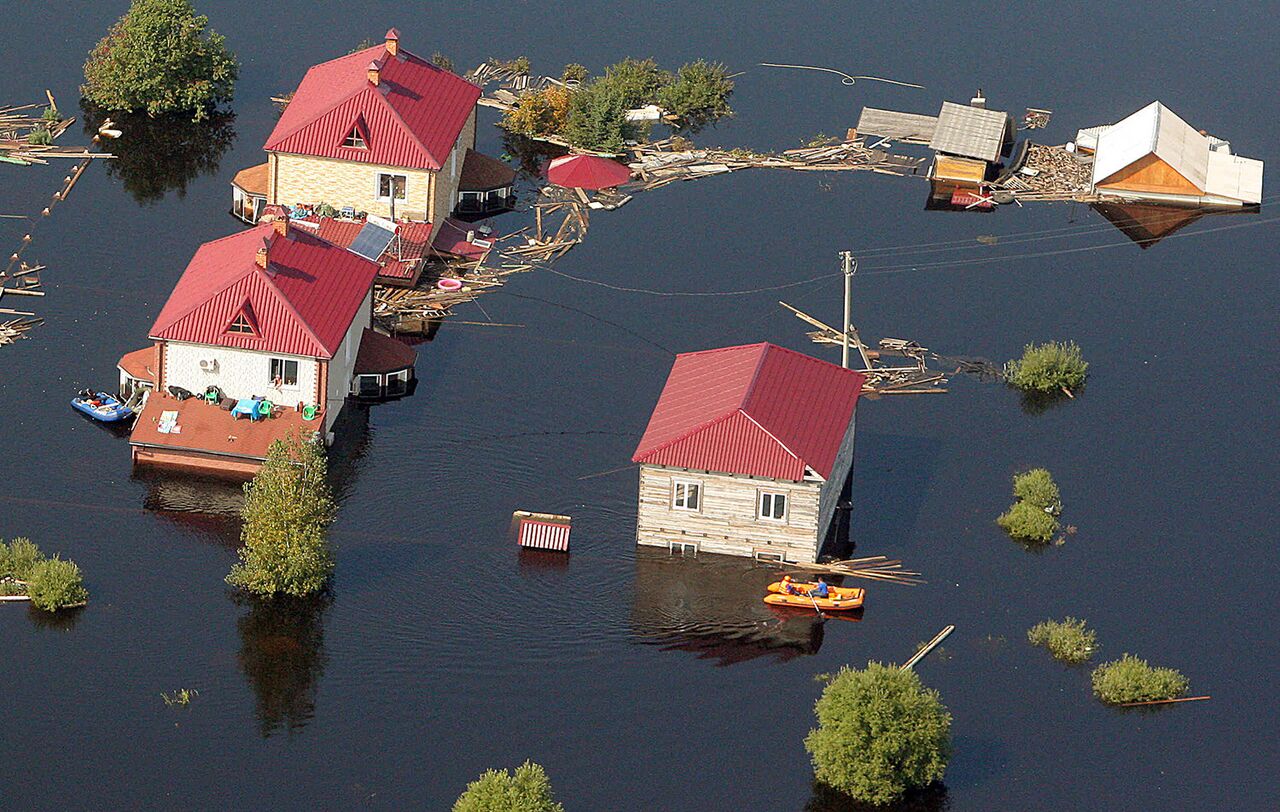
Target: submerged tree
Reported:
[(527, 790), (1130, 679), (699, 94), (1069, 640), (282, 655), (165, 153), (287, 512), (1034, 516), (1048, 369), (880, 733), (158, 58)]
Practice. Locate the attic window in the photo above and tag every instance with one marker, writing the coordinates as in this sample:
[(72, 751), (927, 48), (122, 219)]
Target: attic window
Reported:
[(241, 324), (355, 139)]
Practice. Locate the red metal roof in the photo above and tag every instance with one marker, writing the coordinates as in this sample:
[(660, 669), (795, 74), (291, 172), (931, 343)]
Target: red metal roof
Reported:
[(758, 410), (301, 304), (381, 354), (544, 535), (412, 118), (400, 262), (137, 364), (587, 172)]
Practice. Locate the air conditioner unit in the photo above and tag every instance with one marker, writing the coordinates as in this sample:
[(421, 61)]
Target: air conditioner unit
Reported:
[(208, 364)]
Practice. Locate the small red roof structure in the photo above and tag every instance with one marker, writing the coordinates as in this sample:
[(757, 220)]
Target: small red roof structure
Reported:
[(301, 303), (480, 173), (401, 261), (137, 364), (757, 410), (381, 354), (411, 117), (587, 172)]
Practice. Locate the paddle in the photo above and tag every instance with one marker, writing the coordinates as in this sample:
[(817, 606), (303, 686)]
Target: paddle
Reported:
[(816, 608)]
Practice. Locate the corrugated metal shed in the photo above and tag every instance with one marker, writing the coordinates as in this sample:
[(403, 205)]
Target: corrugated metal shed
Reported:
[(910, 128), (544, 535), (412, 118), (758, 410), (1153, 130), (971, 132), (302, 303)]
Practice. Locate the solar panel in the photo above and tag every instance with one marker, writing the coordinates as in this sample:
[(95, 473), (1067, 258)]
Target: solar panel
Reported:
[(372, 240)]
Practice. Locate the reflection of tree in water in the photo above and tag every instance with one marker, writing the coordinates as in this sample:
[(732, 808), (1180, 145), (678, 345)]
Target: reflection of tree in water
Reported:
[(826, 799), (282, 654), (155, 156), (531, 157), (62, 620)]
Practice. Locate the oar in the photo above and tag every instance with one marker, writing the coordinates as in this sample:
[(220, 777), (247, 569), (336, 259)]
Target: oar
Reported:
[(816, 608)]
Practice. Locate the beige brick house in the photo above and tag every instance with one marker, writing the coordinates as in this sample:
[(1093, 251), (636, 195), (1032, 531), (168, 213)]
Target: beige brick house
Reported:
[(381, 131)]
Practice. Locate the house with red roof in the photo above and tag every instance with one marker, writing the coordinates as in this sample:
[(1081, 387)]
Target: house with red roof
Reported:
[(270, 330), (381, 131), (747, 453)]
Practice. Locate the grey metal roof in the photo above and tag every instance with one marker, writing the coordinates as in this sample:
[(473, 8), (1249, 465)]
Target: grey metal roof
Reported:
[(910, 128), (972, 132)]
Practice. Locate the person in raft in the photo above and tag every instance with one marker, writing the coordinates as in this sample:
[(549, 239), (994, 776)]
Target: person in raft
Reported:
[(820, 589), (789, 588)]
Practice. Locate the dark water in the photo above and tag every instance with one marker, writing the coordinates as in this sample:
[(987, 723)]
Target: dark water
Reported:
[(641, 682)]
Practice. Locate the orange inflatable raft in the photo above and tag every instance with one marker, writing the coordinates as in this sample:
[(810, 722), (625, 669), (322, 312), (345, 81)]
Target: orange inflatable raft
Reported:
[(840, 597)]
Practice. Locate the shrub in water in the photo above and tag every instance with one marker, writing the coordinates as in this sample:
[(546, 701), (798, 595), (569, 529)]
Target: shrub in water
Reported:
[(1024, 521), (598, 118), (18, 558), (880, 733), (528, 790), (1130, 679), (54, 584), (39, 137), (699, 95), (540, 112), (1048, 368), (159, 58), (1067, 640), (287, 512), (1037, 487)]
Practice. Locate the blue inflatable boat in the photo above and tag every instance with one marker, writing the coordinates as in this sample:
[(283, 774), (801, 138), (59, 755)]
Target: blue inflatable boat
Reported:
[(101, 406)]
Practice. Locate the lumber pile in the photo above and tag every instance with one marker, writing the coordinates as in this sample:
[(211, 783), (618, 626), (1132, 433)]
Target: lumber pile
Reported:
[(875, 568), (18, 122), (1050, 173), (15, 329)]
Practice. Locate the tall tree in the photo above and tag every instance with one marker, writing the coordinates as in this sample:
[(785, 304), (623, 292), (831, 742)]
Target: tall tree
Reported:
[(159, 58)]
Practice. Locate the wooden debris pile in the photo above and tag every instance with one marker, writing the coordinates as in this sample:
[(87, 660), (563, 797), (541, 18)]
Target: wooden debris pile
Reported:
[(1050, 173), (14, 329), (19, 122), (671, 160), (899, 378), (875, 568)]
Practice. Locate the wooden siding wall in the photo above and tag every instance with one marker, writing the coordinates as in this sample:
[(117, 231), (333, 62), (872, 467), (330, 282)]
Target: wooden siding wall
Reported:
[(1150, 174), (726, 520), (831, 490)]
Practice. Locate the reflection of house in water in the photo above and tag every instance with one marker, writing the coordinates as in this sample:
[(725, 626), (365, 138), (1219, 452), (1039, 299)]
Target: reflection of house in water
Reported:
[(1148, 223), (747, 452), (713, 607)]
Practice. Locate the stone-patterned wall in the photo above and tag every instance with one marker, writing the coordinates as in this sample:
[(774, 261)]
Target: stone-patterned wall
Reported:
[(307, 179)]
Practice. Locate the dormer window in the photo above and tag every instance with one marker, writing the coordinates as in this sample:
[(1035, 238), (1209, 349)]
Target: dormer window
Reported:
[(243, 324), (355, 139)]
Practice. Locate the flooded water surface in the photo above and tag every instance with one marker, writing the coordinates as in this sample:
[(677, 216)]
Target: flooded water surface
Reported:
[(641, 681)]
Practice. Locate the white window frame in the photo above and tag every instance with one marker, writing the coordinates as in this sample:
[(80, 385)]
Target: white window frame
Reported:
[(284, 362), (377, 186), (677, 498), (772, 497), (358, 390)]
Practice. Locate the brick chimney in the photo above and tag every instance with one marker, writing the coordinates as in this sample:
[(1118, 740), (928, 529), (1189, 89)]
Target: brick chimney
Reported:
[(281, 225), (375, 72), (393, 42), (261, 258)]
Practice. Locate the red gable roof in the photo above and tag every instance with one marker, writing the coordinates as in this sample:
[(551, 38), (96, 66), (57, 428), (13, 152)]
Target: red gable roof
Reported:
[(412, 118), (759, 410), (301, 304)]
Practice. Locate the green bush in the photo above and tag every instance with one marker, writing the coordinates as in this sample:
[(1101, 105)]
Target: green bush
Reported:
[(159, 58), (636, 81), (699, 95), (573, 72), (40, 137), (597, 118), (1130, 679), (442, 62), (1026, 522), (55, 584), (528, 790), (1037, 488), (18, 558), (880, 733), (287, 512), (1068, 640), (1048, 368), (50, 115), (540, 112)]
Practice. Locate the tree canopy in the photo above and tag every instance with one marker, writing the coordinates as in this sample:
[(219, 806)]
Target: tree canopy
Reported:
[(880, 733), (287, 512), (159, 58), (527, 790)]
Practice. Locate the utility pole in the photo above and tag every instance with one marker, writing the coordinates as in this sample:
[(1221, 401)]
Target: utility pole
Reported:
[(850, 268)]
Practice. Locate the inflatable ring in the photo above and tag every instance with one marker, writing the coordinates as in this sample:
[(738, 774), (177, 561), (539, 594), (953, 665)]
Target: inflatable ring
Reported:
[(447, 283)]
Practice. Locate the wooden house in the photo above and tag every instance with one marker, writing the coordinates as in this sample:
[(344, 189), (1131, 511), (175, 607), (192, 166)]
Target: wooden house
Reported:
[(274, 313), (747, 453), (1155, 156), (380, 130)]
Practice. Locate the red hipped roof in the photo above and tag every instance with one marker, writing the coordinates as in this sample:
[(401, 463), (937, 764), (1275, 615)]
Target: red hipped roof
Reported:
[(302, 303), (758, 410), (411, 118)]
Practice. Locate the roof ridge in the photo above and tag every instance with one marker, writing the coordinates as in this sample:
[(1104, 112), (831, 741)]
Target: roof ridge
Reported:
[(343, 100), (409, 130), (705, 425), (288, 303), (755, 377), (234, 279), (773, 437)]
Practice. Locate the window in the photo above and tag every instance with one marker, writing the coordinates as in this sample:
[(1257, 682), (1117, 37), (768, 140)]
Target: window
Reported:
[(368, 386), (284, 372), (241, 324), (398, 382), (387, 182), (355, 140), (773, 506), (686, 495)]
